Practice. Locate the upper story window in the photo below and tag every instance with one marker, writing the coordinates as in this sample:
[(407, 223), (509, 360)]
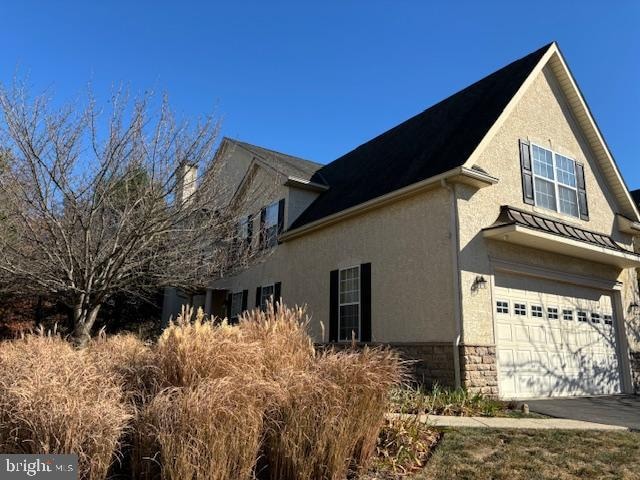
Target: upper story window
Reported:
[(270, 225), (555, 183), (244, 229), (349, 304)]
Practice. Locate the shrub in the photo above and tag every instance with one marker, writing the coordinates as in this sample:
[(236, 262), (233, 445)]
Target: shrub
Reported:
[(207, 401), (210, 431), (282, 334), (131, 360), (194, 348), (330, 416), (54, 399)]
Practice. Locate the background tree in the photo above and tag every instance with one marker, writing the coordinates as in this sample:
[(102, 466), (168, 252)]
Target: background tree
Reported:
[(99, 203)]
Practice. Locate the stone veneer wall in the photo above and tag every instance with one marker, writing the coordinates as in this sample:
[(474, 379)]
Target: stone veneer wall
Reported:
[(635, 370), (478, 365), (430, 362)]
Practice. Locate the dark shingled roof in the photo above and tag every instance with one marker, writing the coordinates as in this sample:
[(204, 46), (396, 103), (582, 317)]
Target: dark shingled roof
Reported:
[(285, 164), (434, 141), (513, 216)]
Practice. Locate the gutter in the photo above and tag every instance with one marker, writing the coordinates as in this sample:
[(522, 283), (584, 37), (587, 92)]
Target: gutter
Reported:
[(305, 184), (461, 174), (457, 296)]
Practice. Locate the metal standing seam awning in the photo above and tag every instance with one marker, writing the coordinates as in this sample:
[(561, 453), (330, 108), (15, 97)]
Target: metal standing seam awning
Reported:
[(535, 231)]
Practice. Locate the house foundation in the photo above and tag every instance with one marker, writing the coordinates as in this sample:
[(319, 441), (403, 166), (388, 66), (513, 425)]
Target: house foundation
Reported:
[(478, 369)]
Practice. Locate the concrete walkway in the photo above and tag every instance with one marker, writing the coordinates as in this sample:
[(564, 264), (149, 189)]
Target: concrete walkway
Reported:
[(503, 422)]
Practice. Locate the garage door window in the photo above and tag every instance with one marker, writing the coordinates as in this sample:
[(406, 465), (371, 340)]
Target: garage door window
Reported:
[(595, 318), (608, 320), (552, 313), (567, 315), (502, 307), (582, 316), (520, 309), (536, 311)]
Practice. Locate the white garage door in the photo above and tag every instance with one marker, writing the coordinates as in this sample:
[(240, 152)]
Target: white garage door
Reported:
[(554, 339)]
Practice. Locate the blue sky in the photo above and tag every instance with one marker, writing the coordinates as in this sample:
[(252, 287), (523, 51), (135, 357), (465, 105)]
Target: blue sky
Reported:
[(316, 79)]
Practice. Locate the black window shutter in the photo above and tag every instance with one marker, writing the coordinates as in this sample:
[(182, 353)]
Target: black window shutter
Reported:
[(527, 174), (229, 306), (280, 216), (365, 302), (261, 237), (249, 229), (582, 192), (258, 295), (333, 306), (277, 289), (245, 297)]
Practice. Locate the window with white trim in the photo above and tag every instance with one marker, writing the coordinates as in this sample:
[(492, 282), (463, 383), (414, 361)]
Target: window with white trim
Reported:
[(349, 304), (567, 315), (536, 311), (582, 316), (520, 309), (595, 317), (236, 307), (554, 181), (608, 320), (502, 306), (266, 296), (552, 313)]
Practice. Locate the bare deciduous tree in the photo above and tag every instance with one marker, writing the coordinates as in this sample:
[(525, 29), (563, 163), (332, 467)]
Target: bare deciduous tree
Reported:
[(102, 202)]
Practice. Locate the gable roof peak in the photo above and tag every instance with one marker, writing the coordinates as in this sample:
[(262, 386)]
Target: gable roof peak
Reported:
[(283, 163)]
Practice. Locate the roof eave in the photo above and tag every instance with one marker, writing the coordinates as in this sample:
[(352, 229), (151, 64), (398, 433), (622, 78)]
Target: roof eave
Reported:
[(461, 175), (305, 184)]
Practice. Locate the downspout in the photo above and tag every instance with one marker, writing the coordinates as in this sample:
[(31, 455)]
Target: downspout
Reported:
[(455, 261)]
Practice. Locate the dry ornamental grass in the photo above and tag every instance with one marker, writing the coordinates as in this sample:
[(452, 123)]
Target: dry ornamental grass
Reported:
[(54, 399), (208, 401)]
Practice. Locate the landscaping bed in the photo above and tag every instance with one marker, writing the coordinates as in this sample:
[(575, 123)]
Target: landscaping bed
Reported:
[(455, 402)]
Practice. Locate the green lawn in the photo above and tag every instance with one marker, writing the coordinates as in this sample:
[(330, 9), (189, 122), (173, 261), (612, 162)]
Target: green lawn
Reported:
[(482, 454)]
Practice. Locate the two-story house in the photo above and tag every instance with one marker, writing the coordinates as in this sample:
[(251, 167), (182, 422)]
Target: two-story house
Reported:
[(489, 237)]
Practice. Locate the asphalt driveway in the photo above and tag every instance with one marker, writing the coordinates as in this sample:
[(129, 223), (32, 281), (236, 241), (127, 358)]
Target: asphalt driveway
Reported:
[(623, 410)]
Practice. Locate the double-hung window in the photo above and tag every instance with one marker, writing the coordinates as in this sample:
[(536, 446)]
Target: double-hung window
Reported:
[(266, 296), (270, 225), (554, 179), (349, 304), (244, 229), (236, 307)]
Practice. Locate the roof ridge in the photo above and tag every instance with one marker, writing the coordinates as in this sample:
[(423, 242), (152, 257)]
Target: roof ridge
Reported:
[(270, 150)]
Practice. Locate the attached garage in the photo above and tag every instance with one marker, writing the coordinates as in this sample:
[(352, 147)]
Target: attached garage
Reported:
[(554, 339)]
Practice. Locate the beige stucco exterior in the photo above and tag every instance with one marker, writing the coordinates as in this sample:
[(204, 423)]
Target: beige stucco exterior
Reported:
[(543, 117), (427, 248), (409, 302)]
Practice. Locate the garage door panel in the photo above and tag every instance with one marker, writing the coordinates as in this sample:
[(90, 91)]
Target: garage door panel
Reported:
[(504, 332), (554, 339)]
